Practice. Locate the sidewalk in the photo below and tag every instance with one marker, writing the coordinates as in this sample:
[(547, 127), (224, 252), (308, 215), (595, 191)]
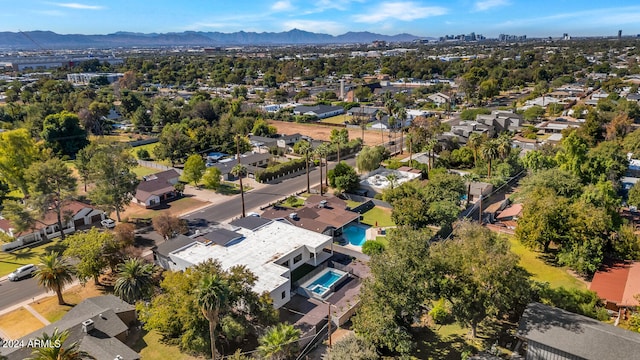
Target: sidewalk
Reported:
[(213, 198)]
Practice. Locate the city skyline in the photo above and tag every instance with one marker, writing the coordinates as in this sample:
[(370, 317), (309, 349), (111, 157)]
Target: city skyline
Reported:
[(421, 18)]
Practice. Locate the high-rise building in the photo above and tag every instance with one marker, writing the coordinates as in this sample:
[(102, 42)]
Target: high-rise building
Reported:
[(619, 34)]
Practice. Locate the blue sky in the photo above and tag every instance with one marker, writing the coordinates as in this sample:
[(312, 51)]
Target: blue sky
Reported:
[(422, 18)]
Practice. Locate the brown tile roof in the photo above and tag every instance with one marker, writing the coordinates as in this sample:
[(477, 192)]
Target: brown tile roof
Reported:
[(315, 218), (156, 184), (618, 283), (514, 210), (50, 218)]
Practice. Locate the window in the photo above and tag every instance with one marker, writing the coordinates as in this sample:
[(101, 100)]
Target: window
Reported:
[(312, 255), (284, 294), (286, 263), (297, 258)]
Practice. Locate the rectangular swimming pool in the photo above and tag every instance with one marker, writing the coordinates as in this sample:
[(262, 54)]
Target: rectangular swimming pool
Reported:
[(324, 283)]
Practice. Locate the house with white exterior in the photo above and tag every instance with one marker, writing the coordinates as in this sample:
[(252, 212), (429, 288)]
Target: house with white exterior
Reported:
[(75, 214), (439, 98), (382, 178), (319, 111), (270, 249)]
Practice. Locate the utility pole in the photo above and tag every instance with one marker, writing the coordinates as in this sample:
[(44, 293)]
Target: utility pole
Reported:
[(329, 324), (480, 211)]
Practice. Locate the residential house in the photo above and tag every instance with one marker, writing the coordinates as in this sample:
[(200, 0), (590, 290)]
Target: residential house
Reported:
[(99, 325), (376, 181), (321, 214), (501, 121), (477, 190), (556, 126), (439, 98), (464, 129), (286, 142), (75, 214), (262, 143), (555, 334), (253, 162), (271, 249), (617, 284), (319, 111), (156, 188), (509, 216)]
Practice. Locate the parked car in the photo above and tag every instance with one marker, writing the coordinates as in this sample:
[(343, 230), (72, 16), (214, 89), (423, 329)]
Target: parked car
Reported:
[(22, 272), (108, 223)]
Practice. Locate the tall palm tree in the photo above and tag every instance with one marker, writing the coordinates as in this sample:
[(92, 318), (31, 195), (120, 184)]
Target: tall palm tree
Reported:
[(54, 273), (213, 293), (489, 152), (401, 114), (239, 170), (321, 151), (304, 148), (280, 342), (135, 280), (379, 117), (504, 145), (474, 143), (410, 136), (339, 137), (392, 126), (430, 146), (59, 350)]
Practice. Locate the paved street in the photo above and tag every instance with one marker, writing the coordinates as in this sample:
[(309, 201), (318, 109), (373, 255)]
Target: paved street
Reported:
[(17, 291)]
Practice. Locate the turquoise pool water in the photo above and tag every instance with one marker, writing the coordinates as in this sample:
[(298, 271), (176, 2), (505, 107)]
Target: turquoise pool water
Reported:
[(323, 284), (355, 234)]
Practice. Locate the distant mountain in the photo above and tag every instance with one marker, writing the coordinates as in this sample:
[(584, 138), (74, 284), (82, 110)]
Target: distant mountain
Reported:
[(50, 40)]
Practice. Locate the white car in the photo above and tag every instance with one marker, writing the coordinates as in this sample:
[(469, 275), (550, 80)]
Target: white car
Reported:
[(108, 223), (22, 272)]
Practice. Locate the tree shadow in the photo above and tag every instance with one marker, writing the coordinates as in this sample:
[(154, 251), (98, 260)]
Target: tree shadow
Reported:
[(226, 189), (22, 254), (431, 345), (58, 247)]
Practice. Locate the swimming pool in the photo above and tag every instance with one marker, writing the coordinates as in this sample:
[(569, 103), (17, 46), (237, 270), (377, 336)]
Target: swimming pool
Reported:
[(356, 235), (324, 283)]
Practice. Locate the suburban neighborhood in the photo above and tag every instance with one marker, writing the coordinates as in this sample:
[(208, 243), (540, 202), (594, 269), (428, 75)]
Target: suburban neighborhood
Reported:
[(465, 197)]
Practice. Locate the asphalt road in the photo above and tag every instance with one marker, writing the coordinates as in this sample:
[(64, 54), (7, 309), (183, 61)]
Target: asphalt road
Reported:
[(13, 292), (254, 199)]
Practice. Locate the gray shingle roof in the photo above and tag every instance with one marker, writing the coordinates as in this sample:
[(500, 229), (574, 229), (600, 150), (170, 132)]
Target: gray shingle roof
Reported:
[(576, 334), (222, 236), (173, 244), (250, 222)]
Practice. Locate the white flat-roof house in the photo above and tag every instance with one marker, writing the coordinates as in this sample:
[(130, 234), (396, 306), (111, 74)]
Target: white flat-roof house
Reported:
[(271, 249)]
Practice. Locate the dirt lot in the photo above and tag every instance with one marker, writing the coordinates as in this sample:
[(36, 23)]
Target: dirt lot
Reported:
[(322, 132)]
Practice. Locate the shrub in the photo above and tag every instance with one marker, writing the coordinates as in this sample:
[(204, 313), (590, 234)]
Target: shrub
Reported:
[(372, 247), (143, 154)]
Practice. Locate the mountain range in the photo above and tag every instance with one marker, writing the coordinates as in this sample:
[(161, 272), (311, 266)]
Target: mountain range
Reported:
[(50, 40)]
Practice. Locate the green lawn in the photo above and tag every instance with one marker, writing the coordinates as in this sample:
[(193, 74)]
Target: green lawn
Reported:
[(339, 119), (148, 147), (556, 276), (151, 347), (378, 214), (353, 204), (11, 261), (141, 171)]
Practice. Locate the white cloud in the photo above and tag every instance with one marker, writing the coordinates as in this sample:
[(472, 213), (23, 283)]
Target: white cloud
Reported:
[(282, 5), (50, 12), (485, 5), (404, 11), (79, 6), (605, 16), (326, 27)]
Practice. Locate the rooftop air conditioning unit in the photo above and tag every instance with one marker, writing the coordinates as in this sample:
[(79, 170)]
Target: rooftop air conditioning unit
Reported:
[(323, 204), (293, 216), (87, 325)]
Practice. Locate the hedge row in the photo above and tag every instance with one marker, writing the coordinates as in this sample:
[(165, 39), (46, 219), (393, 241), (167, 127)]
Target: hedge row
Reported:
[(280, 169)]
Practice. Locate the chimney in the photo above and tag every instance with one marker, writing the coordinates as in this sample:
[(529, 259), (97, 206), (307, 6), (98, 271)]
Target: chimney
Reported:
[(87, 325)]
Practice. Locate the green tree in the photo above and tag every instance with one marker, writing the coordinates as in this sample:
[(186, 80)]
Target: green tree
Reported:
[(478, 274), (543, 220), (240, 171), (352, 347), (572, 153), (561, 182), (475, 143), (60, 348), (536, 160), (631, 142), (369, 158), (607, 161), (213, 293), (173, 144), (303, 147), (54, 272), (262, 128), (394, 293), (83, 163), (634, 195), (89, 249), (52, 186), (62, 133), (490, 152), (372, 247), (534, 113), (194, 169), (339, 138), (115, 184), (343, 177), (211, 178), (17, 152), (134, 281), (280, 342)]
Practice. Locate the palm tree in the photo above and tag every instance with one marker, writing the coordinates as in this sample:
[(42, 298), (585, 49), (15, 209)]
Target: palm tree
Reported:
[(379, 117), (489, 152), (213, 293), (135, 280), (392, 126), (401, 113), (430, 146), (54, 273), (280, 342), (392, 178), (304, 148), (321, 151), (410, 137), (239, 170), (474, 143), (58, 350), (504, 145), (339, 137)]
